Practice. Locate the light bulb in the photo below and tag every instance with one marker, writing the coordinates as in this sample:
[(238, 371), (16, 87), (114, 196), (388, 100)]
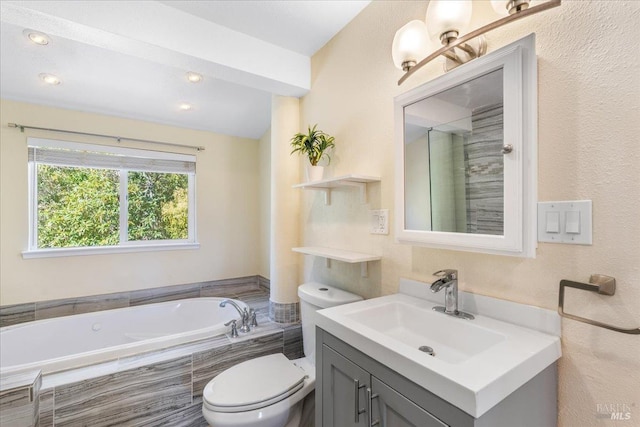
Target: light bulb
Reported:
[(410, 45), (50, 79), (444, 16), (36, 37), (194, 77)]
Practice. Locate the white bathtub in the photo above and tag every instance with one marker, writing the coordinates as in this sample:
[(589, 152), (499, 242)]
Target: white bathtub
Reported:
[(68, 342)]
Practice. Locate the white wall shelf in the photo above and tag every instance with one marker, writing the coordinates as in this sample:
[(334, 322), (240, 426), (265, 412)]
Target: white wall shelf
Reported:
[(351, 180), (340, 255)]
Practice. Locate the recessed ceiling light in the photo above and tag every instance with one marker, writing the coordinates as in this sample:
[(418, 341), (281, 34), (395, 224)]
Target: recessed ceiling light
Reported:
[(50, 79), (37, 37), (185, 107), (194, 77)]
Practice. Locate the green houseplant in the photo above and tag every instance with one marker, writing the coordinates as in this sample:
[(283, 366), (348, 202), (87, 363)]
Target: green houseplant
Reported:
[(314, 145)]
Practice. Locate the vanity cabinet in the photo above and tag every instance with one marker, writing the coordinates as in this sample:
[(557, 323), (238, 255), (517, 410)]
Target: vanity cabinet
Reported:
[(350, 394), (354, 389), (345, 391)]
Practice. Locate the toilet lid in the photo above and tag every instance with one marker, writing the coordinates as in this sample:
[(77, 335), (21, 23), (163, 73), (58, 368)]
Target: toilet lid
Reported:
[(253, 384)]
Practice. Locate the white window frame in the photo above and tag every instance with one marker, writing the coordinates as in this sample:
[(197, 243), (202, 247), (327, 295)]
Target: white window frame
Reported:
[(125, 245)]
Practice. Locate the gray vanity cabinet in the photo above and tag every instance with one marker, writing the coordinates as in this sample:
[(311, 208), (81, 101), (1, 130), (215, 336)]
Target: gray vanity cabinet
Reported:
[(345, 390), (354, 389), (393, 409), (349, 390)]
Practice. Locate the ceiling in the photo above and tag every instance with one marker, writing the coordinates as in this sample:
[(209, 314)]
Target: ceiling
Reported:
[(130, 58)]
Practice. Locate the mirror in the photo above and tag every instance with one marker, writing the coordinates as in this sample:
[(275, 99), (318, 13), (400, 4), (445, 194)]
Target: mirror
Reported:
[(466, 156), (454, 172)]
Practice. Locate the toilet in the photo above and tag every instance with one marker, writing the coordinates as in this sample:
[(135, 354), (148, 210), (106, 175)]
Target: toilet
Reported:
[(268, 391)]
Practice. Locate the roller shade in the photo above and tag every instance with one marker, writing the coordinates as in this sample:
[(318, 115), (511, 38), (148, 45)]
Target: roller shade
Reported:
[(62, 153)]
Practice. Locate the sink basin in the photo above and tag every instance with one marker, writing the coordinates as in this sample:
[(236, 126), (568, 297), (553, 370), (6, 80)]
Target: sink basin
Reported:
[(473, 364), (452, 340)]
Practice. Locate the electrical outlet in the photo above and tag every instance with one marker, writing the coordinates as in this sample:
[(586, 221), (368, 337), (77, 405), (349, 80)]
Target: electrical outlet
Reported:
[(379, 221)]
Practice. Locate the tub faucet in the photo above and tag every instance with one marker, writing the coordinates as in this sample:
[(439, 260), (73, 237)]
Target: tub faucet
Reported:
[(448, 279), (244, 314)]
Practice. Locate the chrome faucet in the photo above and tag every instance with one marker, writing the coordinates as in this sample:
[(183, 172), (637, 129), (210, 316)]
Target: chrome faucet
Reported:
[(244, 314), (448, 279)]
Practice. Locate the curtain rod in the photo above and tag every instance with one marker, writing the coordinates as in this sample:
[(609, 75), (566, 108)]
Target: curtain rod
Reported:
[(117, 138)]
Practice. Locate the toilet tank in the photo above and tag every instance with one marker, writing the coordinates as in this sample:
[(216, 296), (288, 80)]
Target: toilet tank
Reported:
[(316, 296)]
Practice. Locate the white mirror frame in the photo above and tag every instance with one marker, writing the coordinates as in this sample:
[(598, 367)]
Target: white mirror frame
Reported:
[(518, 60)]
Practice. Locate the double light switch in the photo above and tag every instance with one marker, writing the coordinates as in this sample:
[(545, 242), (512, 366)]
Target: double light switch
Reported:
[(565, 222)]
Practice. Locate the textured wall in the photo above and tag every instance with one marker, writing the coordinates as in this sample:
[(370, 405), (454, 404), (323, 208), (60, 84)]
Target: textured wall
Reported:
[(227, 213), (589, 122)]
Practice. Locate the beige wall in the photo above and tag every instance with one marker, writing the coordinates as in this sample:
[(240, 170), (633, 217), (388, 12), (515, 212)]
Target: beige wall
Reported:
[(285, 201), (589, 122), (264, 189), (227, 213)]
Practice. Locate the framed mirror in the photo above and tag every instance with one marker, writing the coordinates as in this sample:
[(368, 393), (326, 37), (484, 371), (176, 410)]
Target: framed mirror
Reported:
[(466, 156)]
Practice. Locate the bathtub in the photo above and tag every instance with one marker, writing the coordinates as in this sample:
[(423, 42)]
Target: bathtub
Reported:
[(62, 343)]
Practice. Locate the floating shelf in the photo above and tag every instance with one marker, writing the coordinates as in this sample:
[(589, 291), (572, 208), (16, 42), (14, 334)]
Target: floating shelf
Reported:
[(352, 180), (340, 255)]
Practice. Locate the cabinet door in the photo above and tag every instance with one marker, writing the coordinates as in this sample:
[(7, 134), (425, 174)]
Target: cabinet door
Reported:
[(391, 409), (344, 386)]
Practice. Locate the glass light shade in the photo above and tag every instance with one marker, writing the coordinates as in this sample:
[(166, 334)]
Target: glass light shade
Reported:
[(500, 7), (411, 43), (448, 15)]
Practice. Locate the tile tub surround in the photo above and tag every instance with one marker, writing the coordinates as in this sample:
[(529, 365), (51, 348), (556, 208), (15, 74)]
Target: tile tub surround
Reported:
[(158, 388), (237, 288), (163, 387), (19, 403)]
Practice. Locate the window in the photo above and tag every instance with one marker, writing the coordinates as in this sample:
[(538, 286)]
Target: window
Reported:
[(94, 196)]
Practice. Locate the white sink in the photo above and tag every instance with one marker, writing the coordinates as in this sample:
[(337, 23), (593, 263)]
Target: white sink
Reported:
[(452, 340), (476, 364)]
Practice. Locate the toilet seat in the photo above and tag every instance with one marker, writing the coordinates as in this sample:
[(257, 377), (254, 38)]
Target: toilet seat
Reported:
[(253, 384)]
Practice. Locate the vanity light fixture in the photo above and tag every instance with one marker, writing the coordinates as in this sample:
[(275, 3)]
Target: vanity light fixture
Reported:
[(194, 77), (37, 37), (445, 21), (50, 79), (185, 107)]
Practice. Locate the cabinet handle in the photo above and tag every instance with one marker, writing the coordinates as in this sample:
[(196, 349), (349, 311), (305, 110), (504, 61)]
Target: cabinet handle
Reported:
[(356, 391), (370, 397)]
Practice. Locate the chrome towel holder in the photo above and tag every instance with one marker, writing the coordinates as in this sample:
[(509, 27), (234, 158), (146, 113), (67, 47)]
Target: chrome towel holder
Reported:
[(601, 284)]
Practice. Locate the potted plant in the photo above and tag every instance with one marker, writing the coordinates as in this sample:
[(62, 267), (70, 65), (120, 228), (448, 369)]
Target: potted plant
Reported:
[(314, 145)]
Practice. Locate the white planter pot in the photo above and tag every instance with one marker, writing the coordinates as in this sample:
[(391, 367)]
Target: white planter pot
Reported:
[(315, 173)]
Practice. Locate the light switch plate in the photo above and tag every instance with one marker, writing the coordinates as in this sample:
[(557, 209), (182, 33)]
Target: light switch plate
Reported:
[(379, 221), (575, 222)]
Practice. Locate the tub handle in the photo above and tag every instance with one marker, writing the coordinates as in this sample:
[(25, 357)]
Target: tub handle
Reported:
[(234, 328), (253, 322)]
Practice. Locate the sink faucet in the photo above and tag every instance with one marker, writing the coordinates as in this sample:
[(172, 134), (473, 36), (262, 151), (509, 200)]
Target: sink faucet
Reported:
[(448, 279), (244, 314)]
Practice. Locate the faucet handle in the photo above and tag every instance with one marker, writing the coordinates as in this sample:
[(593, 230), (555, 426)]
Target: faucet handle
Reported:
[(447, 274), (252, 318), (234, 328), (245, 321)]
